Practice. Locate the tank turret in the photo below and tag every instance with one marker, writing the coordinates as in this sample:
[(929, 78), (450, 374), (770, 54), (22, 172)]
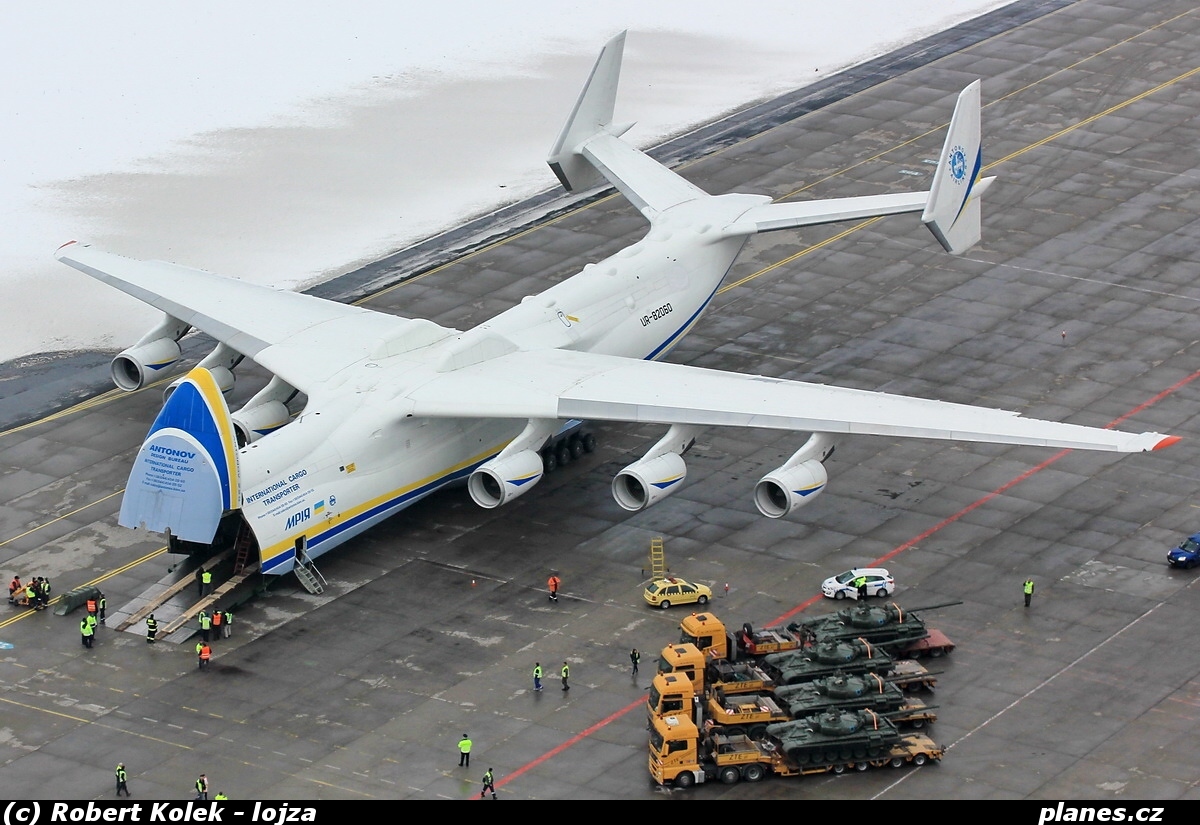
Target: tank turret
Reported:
[(834, 736)]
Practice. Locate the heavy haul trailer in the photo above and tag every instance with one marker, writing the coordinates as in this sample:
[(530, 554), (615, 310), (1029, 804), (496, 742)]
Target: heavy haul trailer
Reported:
[(682, 755), (751, 713)]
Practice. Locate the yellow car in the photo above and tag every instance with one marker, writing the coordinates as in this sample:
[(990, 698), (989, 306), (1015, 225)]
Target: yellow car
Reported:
[(674, 590)]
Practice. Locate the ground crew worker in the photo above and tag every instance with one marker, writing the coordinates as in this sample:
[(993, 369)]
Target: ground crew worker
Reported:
[(464, 752), (537, 675), (92, 607), (220, 796), (91, 620), (86, 631), (43, 593), (202, 787), (861, 584), (200, 581), (489, 784), (1028, 587), (635, 657), (553, 582), (14, 589), (216, 623), (103, 605), (122, 778), (566, 671), (205, 624), (203, 654), (205, 582), (227, 624), (151, 629), (30, 596)]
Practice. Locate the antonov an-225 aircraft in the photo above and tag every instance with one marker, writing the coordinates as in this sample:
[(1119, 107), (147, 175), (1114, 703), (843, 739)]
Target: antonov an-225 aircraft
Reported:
[(398, 408)]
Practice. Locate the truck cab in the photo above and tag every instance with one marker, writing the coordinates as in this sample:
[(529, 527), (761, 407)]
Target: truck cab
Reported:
[(706, 632)]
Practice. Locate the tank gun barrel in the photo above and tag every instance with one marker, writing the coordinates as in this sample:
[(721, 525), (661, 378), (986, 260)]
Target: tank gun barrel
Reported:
[(930, 607)]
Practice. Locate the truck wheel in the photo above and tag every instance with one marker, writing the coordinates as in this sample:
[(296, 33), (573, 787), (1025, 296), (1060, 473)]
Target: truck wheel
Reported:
[(897, 762), (664, 604), (839, 769), (935, 652), (757, 732), (685, 780), (752, 773), (730, 775), (920, 759), (861, 766)]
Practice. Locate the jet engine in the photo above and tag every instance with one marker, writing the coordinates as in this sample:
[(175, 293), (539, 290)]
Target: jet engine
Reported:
[(220, 363), (264, 413), (658, 473), (649, 480), (798, 482), (504, 478), (157, 349)]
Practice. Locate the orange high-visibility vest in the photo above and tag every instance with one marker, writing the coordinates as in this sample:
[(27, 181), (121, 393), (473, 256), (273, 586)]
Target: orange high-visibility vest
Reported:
[(206, 653), (216, 618), (91, 605)]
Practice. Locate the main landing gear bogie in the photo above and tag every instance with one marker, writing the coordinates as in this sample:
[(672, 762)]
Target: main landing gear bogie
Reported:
[(564, 452)]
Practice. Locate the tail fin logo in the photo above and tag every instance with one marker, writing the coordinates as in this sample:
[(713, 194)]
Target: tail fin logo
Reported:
[(958, 163)]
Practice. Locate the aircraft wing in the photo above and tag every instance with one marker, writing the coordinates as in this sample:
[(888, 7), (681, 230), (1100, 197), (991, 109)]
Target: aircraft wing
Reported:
[(562, 384), (302, 339)]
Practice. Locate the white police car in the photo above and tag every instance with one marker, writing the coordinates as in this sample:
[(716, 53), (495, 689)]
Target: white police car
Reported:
[(879, 583)]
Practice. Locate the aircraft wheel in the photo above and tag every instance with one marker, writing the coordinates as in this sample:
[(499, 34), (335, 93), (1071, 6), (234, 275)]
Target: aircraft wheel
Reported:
[(575, 445), (563, 454), (589, 442), (549, 461)]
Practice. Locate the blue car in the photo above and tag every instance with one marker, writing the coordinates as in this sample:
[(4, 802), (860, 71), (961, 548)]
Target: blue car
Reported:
[(1187, 554)]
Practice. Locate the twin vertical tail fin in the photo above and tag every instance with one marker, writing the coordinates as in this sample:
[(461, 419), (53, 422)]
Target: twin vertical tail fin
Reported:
[(953, 211)]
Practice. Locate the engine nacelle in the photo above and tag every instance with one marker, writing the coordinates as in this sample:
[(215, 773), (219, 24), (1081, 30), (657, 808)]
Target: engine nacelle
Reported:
[(157, 349), (645, 482), (252, 423), (221, 375), (133, 369), (502, 479), (788, 488)]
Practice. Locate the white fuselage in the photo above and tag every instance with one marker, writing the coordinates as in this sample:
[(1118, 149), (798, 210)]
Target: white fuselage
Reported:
[(353, 457)]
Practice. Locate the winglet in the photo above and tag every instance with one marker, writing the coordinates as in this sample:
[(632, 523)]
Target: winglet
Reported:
[(953, 211), (185, 475), (592, 115), (1166, 442)]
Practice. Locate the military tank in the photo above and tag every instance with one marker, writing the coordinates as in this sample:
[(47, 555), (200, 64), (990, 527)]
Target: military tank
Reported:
[(825, 658), (834, 736), (890, 626), (866, 691)]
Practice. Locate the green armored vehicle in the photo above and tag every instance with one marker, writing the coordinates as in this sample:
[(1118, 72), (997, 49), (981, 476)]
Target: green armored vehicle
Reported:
[(835, 736)]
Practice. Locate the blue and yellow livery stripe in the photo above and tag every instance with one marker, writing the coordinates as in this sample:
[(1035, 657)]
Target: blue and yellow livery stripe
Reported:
[(198, 407), (278, 557)]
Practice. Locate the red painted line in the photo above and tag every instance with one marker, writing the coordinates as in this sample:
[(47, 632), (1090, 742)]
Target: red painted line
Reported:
[(641, 703)]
